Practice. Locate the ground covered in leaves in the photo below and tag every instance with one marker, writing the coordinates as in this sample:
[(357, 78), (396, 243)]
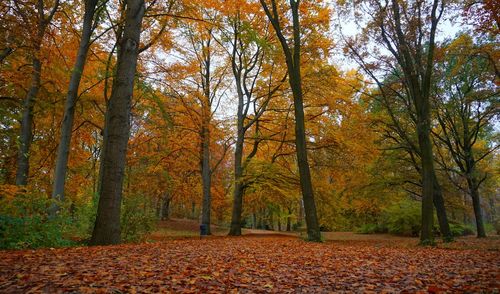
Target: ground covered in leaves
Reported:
[(253, 263)]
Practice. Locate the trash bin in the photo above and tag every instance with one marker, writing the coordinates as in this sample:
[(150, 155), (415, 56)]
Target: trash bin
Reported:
[(203, 230)]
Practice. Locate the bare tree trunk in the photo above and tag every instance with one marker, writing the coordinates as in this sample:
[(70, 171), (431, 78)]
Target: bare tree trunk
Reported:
[(206, 178), (438, 200), (69, 108), (235, 229), (289, 221), (476, 204), (427, 170), (107, 225), (165, 207), (26, 136)]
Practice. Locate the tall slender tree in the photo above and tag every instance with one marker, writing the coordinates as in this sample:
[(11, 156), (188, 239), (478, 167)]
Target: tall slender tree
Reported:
[(466, 102), (292, 57), (71, 97), (246, 55), (40, 22)]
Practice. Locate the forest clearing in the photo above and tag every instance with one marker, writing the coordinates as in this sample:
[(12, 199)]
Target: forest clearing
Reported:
[(249, 146)]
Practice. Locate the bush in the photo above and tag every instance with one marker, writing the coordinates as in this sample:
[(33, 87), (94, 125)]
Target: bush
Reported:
[(489, 228), (403, 218), (84, 215), (32, 232), (138, 218), (371, 229), (458, 229), (496, 226), (24, 222)]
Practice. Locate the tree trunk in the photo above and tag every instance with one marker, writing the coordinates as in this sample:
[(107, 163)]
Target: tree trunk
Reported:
[(292, 58), (427, 171), (69, 108), (438, 200), (165, 207), (476, 204), (107, 225), (260, 224), (289, 221), (235, 229), (271, 221), (295, 80), (206, 177), (304, 172), (26, 135)]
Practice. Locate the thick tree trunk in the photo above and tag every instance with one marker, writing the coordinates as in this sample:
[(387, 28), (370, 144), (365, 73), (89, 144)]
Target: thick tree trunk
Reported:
[(26, 135), (438, 200), (206, 177), (235, 229), (476, 204), (427, 170), (69, 108), (107, 225)]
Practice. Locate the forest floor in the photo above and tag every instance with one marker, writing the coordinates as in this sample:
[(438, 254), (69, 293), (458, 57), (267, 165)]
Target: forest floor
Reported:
[(260, 261)]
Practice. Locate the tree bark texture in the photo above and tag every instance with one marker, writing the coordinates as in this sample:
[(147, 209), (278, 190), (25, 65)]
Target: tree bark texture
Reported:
[(69, 107), (117, 125)]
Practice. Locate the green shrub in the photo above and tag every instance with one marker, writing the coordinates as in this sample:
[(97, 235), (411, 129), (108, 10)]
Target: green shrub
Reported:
[(83, 216), (403, 218), (458, 229), (32, 232), (24, 222), (489, 228), (469, 230), (496, 226), (138, 218), (370, 229)]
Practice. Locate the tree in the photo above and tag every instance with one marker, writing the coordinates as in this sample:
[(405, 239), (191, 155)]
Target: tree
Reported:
[(247, 55), (117, 127), (69, 110), (398, 132), (407, 30), (292, 56), (39, 19), (466, 100)]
